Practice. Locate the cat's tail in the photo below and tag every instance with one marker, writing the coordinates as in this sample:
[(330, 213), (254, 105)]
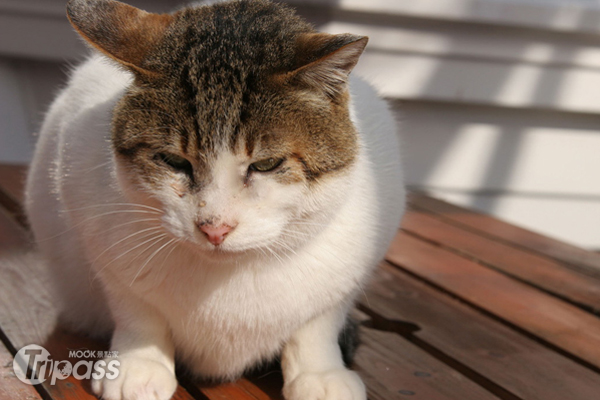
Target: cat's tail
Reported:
[(29, 283)]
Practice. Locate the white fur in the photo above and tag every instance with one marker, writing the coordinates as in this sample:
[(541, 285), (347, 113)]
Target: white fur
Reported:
[(283, 279)]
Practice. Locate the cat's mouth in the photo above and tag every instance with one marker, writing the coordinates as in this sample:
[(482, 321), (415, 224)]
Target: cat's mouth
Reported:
[(221, 251)]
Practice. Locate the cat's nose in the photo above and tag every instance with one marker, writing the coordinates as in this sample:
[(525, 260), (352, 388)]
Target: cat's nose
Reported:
[(215, 234)]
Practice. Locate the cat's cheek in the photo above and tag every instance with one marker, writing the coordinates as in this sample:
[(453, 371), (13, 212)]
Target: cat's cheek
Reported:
[(268, 193), (178, 219)]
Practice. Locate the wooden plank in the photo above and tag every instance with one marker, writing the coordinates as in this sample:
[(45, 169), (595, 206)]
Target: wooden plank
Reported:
[(536, 270), (498, 353), (583, 260), (394, 369), (269, 382), (239, 390), (12, 180), (565, 326), (12, 184), (11, 388), (9, 238)]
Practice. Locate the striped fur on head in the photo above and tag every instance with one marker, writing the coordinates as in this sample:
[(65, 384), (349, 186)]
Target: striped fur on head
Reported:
[(245, 76)]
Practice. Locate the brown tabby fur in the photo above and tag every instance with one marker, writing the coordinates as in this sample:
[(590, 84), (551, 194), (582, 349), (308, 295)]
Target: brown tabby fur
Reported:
[(247, 76)]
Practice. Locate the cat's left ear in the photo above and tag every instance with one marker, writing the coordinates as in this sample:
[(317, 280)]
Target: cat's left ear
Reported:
[(324, 61), (118, 30)]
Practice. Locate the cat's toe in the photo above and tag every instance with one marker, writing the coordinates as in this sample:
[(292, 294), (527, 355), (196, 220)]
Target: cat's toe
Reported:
[(138, 379), (338, 384)]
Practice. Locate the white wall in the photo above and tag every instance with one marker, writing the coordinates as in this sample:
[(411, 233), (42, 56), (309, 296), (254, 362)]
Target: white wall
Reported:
[(499, 99), (537, 169), (15, 138)]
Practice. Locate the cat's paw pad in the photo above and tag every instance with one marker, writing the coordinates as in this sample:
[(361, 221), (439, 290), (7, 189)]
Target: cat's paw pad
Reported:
[(138, 379), (338, 384)]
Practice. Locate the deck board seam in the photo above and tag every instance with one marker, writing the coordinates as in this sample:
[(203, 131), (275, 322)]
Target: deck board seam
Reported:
[(463, 254), (13, 208), (5, 340), (583, 269), (522, 331), (381, 323)]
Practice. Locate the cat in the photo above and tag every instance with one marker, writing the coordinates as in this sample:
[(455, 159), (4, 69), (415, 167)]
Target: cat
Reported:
[(213, 186)]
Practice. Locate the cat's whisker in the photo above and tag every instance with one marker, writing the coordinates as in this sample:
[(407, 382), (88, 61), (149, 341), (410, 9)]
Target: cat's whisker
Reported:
[(83, 222), (288, 230), (285, 246), (360, 286), (158, 211), (274, 254), (295, 234), (286, 255), (298, 266), (155, 239), (154, 228), (175, 243), (265, 255), (137, 221), (309, 224), (88, 170), (111, 228), (150, 259), (132, 237)]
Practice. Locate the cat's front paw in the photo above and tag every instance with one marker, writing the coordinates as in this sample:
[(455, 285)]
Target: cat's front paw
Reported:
[(138, 379), (338, 384)]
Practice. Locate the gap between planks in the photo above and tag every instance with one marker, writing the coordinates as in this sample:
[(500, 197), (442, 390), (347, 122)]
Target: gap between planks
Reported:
[(561, 326), (576, 258), (542, 273), (478, 343)]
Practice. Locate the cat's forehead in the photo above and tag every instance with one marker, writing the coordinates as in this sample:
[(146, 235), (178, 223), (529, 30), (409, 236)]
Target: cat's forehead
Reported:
[(220, 60), (226, 43)]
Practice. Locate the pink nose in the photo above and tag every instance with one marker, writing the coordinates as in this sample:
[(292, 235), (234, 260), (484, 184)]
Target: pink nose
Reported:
[(215, 234)]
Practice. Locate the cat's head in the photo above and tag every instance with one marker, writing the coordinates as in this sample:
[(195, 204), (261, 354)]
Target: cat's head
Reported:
[(237, 123)]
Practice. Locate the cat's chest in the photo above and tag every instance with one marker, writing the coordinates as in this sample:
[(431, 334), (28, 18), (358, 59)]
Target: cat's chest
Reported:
[(283, 293)]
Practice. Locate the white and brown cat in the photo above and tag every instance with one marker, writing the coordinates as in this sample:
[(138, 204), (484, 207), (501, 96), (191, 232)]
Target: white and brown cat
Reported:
[(212, 187)]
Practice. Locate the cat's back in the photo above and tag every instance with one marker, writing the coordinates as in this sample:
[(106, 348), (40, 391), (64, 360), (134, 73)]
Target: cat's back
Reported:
[(92, 83), (73, 136), (381, 146)]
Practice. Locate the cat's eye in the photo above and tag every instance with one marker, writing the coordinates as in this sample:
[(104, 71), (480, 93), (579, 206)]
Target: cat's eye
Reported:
[(176, 162), (266, 165)]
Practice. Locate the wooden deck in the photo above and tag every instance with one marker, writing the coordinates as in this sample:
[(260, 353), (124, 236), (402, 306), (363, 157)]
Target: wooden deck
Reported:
[(465, 307)]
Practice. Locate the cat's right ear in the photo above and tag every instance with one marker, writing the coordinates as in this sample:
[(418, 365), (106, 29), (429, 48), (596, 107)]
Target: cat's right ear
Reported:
[(122, 32), (324, 61)]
